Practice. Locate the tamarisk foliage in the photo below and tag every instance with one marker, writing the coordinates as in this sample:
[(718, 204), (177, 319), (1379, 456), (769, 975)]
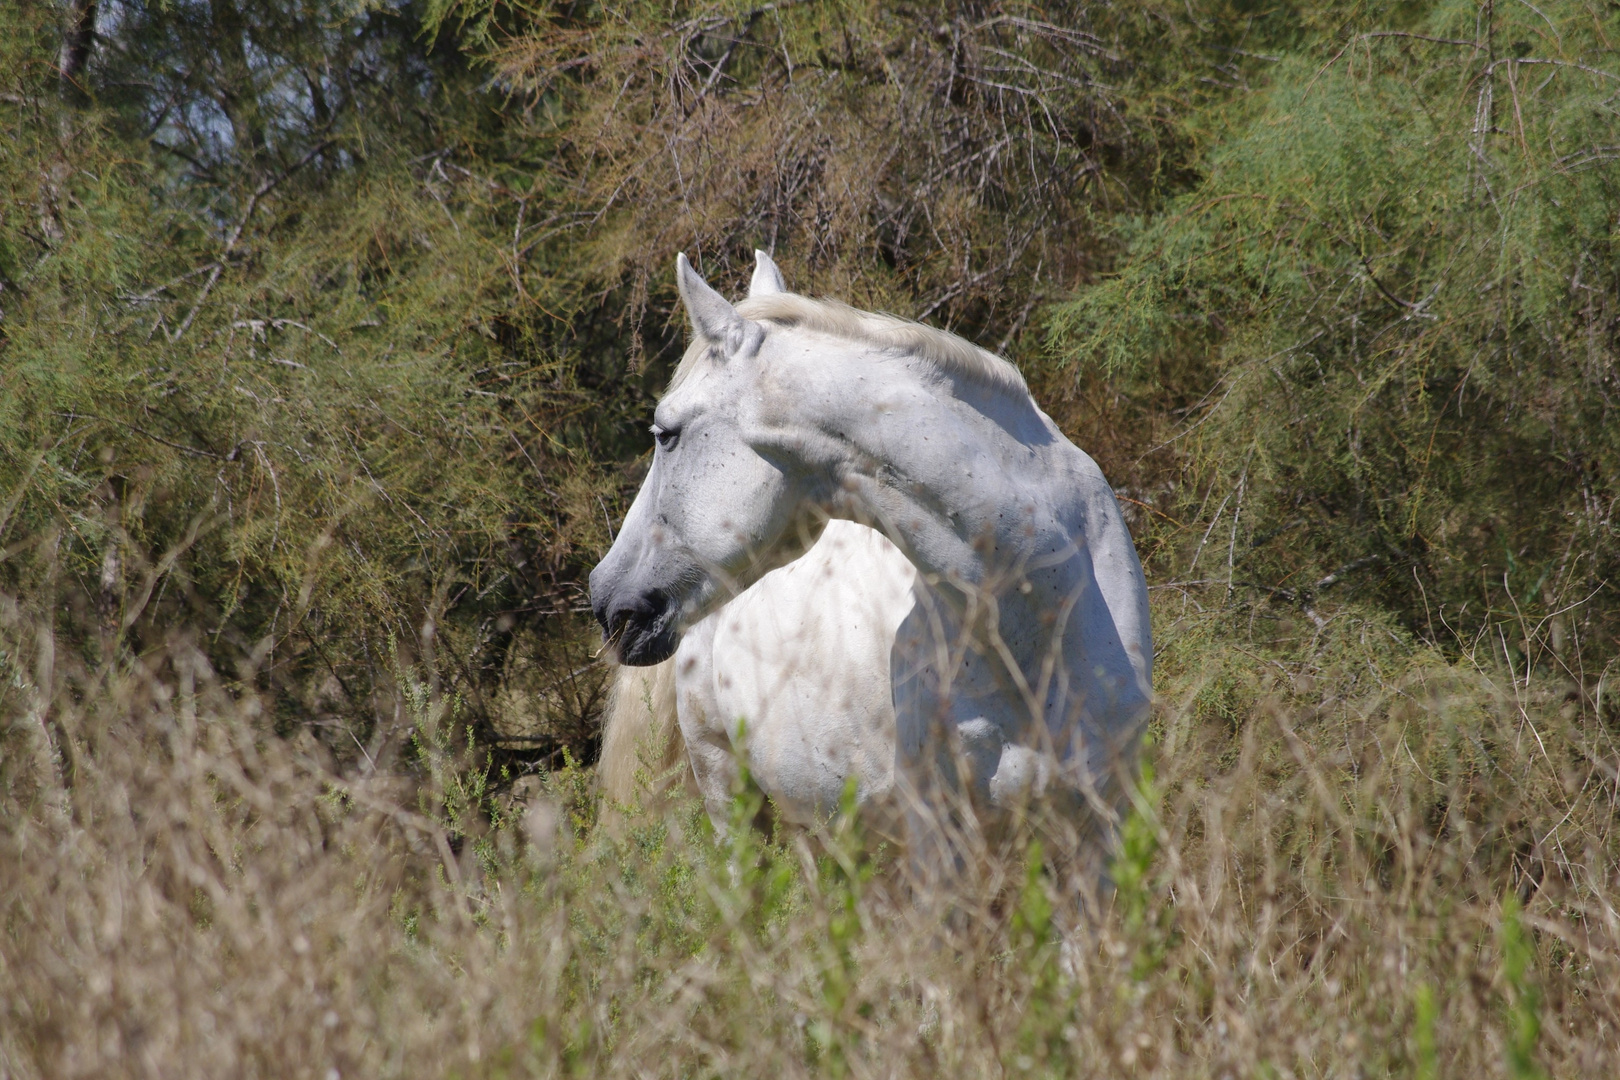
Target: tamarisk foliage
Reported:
[(329, 331), (269, 379), (1390, 311)]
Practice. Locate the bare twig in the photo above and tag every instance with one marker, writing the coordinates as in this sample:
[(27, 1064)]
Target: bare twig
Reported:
[(182, 447), (231, 241)]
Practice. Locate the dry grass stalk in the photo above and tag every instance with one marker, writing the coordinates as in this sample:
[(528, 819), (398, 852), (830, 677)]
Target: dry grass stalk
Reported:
[(1312, 884)]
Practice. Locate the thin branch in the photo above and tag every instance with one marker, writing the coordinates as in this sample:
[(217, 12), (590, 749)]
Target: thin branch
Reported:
[(182, 447), (259, 193), (1553, 63), (1419, 37)]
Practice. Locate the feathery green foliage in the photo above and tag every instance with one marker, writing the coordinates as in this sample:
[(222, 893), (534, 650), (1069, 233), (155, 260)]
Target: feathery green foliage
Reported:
[(328, 332), (270, 376), (1395, 291)]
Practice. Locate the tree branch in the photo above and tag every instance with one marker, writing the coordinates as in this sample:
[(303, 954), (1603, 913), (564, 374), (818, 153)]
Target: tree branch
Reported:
[(259, 193)]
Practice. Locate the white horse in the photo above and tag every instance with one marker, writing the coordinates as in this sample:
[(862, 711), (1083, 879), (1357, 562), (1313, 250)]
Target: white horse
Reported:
[(991, 632)]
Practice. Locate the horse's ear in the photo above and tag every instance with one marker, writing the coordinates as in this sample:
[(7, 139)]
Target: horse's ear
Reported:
[(767, 278), (712, 315)]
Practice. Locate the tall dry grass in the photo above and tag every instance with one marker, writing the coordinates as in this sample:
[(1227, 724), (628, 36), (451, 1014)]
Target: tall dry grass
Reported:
[(1349, 858)]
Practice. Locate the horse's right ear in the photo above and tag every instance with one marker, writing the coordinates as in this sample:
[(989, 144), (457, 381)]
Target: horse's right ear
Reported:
[(713, 317)]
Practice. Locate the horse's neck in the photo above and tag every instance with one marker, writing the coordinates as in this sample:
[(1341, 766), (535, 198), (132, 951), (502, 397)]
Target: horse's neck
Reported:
[(964, 480), (977, 485), (1007, 522)]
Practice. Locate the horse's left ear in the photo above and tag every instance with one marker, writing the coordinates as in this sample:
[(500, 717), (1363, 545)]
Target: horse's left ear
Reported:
[(712, 315), (767, 277)]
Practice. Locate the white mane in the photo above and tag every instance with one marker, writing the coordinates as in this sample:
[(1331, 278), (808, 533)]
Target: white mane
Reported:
[(951, 354)]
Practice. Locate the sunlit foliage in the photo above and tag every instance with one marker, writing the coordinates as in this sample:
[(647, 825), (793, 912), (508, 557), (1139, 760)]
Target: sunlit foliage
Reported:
[(329, 332), (1395, 293)]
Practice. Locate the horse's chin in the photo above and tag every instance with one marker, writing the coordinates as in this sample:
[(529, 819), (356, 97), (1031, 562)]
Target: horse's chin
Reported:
[(646, 646)]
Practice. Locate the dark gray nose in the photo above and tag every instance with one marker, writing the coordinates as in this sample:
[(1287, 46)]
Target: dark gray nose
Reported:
[(611, 605), (617, 613), (639, 623)]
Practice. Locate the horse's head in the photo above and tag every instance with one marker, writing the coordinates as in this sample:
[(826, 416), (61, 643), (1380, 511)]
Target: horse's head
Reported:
[(718, 507)]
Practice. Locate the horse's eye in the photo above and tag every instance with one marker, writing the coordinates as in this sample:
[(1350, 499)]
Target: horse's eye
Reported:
[(667, 438)]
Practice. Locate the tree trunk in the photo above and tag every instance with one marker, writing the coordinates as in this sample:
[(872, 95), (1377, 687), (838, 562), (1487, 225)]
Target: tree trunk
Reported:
[(78, 38)]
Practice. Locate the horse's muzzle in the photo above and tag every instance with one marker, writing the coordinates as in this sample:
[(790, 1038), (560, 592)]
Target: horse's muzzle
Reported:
[(640, 628)]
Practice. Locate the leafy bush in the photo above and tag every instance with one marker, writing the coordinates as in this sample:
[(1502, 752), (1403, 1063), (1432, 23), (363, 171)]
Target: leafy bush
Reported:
[(284, 389), (1388, 312)]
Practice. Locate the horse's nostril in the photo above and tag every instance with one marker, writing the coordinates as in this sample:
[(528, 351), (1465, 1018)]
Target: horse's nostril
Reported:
[(620, 614)]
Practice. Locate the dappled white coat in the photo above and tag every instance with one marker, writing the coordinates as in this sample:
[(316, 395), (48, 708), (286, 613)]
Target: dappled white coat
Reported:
[(795, 674)]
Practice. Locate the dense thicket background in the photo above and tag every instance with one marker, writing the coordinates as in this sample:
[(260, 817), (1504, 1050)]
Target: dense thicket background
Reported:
[(329, 331)]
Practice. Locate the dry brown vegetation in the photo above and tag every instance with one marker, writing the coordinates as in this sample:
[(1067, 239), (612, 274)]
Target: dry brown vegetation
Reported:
[(1350, 858)]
